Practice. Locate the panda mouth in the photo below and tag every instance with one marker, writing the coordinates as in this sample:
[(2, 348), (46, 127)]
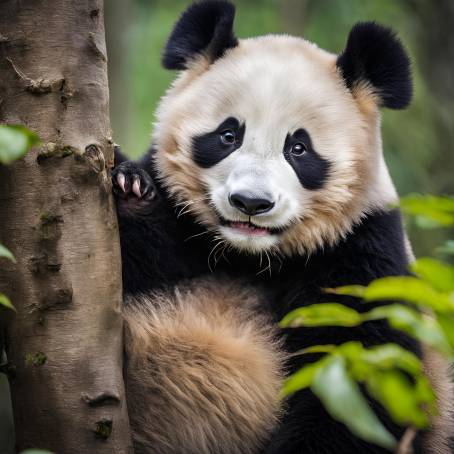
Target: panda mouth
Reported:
[(249, 228)]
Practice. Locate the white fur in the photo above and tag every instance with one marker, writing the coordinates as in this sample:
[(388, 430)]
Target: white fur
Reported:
[(276, 85)]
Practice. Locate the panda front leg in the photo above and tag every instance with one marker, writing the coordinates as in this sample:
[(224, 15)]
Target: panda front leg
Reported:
[(144, 223), (133, 187)]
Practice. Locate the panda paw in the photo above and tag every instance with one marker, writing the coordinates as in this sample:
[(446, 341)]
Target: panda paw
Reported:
[(133, 188)]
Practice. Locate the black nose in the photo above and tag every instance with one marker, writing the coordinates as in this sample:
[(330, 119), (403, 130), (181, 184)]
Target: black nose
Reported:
[(250, 205)]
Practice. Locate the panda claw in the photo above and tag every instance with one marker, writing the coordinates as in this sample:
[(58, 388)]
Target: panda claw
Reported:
[(136, 187), (121, 181), (133, 189)]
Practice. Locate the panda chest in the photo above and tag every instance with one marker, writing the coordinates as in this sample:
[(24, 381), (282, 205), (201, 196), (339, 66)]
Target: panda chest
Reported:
[(204, 369)]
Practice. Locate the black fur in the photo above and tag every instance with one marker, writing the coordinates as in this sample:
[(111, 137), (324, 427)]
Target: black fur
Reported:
[(208, 149), (206, 26), (161, 249), (375, 55), (310, 168), (158, 252)]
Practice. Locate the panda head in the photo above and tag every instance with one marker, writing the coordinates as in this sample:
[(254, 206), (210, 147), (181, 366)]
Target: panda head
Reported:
[(271, 142)]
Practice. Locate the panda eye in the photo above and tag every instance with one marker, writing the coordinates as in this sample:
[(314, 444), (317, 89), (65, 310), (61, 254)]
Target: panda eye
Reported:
[(298, 149), (228, 137)]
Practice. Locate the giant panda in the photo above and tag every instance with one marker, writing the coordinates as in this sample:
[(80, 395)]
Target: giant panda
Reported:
[(265, 184)]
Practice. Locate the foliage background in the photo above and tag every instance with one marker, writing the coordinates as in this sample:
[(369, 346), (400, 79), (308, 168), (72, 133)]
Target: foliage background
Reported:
[(418, 142)]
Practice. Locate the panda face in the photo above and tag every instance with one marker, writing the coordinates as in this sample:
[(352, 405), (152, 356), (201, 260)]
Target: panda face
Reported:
[(269, 149)]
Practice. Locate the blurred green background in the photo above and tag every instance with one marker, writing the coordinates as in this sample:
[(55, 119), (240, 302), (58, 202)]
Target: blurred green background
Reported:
[(418, 142)]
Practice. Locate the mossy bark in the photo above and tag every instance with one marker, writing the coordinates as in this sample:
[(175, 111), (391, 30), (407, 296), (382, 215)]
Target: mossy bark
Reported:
[(57, 216)]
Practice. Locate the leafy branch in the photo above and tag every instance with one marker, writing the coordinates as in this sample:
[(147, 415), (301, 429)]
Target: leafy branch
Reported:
[(389, 374)]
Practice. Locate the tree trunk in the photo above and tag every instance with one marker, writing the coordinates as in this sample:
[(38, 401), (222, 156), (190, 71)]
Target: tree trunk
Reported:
[(57, 216)]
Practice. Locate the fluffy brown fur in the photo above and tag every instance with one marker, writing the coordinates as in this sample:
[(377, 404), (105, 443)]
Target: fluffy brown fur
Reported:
[(439, 372), (204, 370), (204, 367)]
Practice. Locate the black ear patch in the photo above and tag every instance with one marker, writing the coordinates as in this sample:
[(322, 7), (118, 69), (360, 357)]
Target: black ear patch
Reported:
[(206, 26), (375, 55)]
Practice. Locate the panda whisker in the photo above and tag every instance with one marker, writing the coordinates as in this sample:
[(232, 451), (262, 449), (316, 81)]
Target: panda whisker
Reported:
[(228, 248), (186, 204), (184, 211), (192, 201), (219, 253), (183, 208), (269, 262), (279, 258), (269, 265), (196, 235), (220, 241)]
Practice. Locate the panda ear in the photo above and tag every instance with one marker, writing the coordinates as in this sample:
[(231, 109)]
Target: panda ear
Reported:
[(375, 57), (205, 27)]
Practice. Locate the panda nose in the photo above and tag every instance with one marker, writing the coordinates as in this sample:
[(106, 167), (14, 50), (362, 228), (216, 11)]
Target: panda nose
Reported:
[(250, 205)]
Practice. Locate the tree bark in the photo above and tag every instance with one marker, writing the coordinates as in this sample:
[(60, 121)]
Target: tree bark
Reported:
[(57, 216)]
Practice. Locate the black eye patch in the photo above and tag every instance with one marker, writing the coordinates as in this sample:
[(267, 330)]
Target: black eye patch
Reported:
[(210, 148), (311, 169)]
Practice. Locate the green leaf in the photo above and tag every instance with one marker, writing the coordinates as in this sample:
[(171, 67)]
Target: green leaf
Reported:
[(408, 288), (436, 211), (392, 356), (15, 141), (35, 451), (323, 314), (446, 321), (398, 395), (4, 252), (4, 301), (329, 348), (420, 326), (446, 249), (350, 290), (301, 379), (343, 399), (400, 288), (427, 223), (440, 275)]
